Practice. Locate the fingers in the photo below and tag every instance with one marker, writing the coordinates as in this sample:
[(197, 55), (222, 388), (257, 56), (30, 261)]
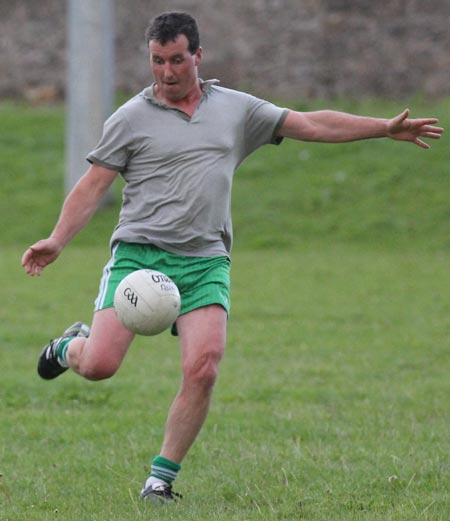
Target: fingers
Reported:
[(431, 135), (30, 264), (432, 130), (425, 129), (429, 132), (26, 256), (37, 270), (27, 260), (427, 121), (33, 261), (33, 269), (421, 144), (425, 125)]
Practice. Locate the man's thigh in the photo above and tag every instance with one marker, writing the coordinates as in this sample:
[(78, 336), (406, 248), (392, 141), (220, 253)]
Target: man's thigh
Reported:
[(202, 332), (108, 342)]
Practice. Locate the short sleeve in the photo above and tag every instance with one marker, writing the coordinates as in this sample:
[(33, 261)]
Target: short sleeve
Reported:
[(263, 121), (113, 149)]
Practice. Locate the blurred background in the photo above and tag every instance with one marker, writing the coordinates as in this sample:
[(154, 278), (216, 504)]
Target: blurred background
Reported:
[(287, 50)]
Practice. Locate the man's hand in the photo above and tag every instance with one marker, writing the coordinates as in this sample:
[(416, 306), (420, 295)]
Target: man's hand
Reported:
[(40, 255), (404, 129)]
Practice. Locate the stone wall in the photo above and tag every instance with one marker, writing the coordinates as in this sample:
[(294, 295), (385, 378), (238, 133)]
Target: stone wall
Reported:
[(283, 49)]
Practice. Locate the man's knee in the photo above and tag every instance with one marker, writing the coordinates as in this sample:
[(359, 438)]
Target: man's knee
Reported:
[(92, 365), (100, 355), (203, 370), (97, 371)]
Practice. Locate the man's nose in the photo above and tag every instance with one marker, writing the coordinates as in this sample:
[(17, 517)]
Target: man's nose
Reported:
[(168, 69)]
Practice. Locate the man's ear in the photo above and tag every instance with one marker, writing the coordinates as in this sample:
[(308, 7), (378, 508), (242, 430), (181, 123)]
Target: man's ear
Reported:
[(198, 56)]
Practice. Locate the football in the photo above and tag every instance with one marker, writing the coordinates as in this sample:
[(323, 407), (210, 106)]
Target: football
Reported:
[(147, 302)]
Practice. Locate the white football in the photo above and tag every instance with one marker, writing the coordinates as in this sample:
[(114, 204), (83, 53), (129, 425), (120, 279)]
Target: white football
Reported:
[(147, 302)]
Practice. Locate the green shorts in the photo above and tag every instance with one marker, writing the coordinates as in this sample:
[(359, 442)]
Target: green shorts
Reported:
[(201, 281)]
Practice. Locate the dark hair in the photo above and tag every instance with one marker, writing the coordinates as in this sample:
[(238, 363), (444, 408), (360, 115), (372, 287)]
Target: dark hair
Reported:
[(168, 26)]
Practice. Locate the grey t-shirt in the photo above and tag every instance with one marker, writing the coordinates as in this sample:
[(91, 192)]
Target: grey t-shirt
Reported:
[(178, 169)]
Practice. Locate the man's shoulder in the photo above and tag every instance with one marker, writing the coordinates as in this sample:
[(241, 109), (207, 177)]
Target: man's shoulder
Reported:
[(130, 109), (228, 91), (230, 98), (134, 103)]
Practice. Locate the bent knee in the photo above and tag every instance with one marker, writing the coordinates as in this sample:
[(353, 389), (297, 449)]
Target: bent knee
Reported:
[(97, 372), (94, 359)]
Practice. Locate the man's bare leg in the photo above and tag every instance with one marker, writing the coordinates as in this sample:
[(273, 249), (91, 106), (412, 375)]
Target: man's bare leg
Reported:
[(202, 334), (101, 354)]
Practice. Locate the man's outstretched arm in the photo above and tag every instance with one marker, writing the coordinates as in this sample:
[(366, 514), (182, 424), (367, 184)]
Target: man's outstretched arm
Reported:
[(329, 126)]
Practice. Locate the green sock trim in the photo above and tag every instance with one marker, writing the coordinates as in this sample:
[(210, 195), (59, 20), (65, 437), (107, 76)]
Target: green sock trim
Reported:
[(61, 350), (163, 468)]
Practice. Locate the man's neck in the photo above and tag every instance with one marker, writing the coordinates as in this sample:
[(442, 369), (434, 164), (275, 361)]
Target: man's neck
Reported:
[(187, 104)]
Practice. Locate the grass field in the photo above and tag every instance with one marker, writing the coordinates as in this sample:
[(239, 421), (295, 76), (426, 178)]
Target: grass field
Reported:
[(333, 398)]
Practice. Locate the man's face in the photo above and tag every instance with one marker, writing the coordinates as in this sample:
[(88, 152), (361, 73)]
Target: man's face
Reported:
[(174, 68)]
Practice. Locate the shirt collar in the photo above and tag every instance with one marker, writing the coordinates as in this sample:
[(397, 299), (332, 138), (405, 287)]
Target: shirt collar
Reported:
[(205, 85)]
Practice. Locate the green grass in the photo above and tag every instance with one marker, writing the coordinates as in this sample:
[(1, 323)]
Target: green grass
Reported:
[(332, 402)]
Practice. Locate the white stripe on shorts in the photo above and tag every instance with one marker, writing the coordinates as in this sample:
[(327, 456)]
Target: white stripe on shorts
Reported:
[(105, 280)]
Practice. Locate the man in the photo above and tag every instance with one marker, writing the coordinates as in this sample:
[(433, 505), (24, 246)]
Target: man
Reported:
[(177, 145)]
